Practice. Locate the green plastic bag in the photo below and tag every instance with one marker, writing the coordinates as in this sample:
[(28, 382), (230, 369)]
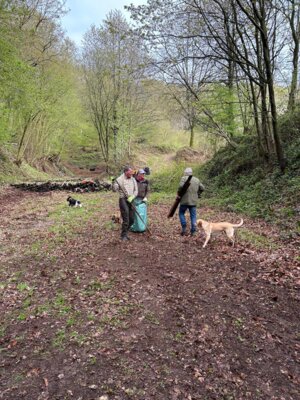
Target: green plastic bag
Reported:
[(140, 222)]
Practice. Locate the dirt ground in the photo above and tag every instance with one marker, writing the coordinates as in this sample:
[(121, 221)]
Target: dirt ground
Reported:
[(85, 316)]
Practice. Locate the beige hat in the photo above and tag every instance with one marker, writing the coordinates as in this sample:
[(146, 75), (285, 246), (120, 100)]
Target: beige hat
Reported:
[(188, 171)]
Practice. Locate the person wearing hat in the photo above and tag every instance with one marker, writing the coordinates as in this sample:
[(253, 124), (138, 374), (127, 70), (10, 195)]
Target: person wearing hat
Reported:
[(140, 202), (189, 201), (143, 185), (126, 185)]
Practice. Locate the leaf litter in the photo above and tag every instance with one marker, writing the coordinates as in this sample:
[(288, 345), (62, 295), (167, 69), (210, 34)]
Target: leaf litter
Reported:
[(84, 316)]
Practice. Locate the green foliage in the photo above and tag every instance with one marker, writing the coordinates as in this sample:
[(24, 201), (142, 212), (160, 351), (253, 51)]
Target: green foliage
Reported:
[(161, 137), (41, 113), (289, 125), (15, 78), (221, 101)]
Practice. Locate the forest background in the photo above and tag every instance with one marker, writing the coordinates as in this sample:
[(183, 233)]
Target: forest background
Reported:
[(213, 85)]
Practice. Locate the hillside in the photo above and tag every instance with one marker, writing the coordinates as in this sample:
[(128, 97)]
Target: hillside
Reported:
[(240, 181)]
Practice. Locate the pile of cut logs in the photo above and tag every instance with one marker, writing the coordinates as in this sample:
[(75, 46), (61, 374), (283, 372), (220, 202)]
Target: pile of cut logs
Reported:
[(81, 186)]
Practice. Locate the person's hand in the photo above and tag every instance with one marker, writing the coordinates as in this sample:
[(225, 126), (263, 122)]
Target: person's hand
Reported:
[(130, 199), (145, 199)]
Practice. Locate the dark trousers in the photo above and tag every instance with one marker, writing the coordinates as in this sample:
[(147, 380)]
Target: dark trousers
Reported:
[(127, 213)]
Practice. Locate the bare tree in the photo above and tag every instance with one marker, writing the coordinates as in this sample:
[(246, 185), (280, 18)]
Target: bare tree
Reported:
[(111, 58), (172, 39), (253, 46), (291, 11)]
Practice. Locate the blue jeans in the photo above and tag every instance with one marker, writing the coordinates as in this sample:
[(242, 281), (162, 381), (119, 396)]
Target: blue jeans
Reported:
[(193, 215)]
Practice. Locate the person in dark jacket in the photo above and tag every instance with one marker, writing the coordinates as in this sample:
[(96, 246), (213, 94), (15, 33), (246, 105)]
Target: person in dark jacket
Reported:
[(189, 201), (143, 185)]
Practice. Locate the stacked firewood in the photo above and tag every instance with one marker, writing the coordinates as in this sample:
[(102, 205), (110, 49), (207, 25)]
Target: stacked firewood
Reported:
[(81, 186)]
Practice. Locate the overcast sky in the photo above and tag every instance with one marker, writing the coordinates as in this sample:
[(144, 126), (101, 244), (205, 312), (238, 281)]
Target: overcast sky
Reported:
[(84, 13)]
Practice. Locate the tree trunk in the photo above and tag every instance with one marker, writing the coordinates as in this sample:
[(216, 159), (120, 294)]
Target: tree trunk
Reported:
[(266, 140), (230, 85), (192, 136), (294, 21), (261, 144), (115, 134), (293, 89), (18, 161), (270, 82)]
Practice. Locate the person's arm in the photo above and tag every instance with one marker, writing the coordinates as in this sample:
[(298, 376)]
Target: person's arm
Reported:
[(115, 186)]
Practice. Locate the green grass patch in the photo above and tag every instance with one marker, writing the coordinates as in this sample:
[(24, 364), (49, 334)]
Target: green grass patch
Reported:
[(161, 197), (111, 226), (16, 276), (42, 309), (60, 338), (35, 248), (60, 304), (112, 321), (2, 330), (258, 241), (97, 286), (22, 286), (22, 316), (179, 336), (78, 338), (151, 317)]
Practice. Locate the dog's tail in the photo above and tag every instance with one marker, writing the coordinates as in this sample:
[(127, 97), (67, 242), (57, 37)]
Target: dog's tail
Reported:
[(238, 225)]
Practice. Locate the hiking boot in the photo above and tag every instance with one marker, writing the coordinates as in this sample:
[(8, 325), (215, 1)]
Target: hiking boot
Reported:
[(125, 238), (193, 233), (183, 233)]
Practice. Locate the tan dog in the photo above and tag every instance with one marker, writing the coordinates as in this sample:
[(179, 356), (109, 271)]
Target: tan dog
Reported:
[(211, 227), (116, 218)]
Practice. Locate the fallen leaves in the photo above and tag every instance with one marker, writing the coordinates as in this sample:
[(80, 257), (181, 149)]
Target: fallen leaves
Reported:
[(159, 318)]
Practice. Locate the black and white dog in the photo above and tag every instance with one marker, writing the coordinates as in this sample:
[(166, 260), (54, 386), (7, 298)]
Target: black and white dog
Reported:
[(73, 202)]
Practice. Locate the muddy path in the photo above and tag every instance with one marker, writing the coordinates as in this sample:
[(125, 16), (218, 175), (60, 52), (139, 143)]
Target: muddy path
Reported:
[(85, 316)]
